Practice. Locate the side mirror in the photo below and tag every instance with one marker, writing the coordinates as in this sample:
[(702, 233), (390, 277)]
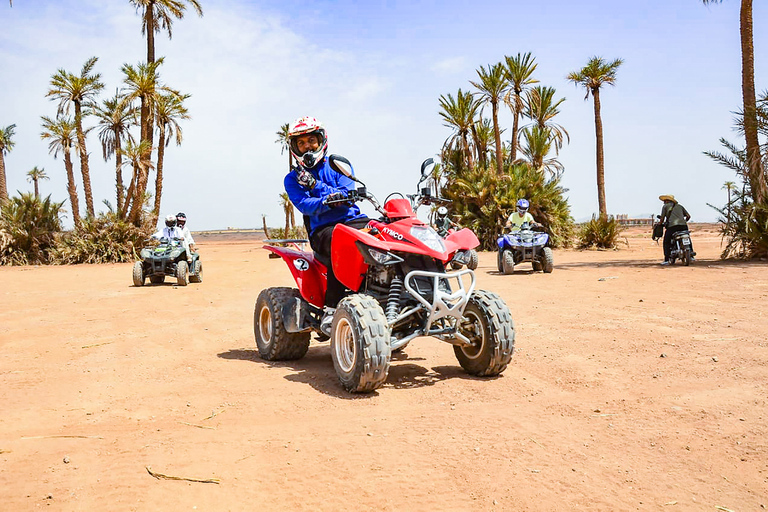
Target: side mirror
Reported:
[(341, 165), (426, 163), (426, 191)]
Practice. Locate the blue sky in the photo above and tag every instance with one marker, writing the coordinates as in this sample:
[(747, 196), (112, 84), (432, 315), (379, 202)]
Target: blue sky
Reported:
[(373, 72)]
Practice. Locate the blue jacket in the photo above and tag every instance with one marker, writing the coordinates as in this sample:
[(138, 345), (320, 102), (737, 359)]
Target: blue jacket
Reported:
[(310, 202)]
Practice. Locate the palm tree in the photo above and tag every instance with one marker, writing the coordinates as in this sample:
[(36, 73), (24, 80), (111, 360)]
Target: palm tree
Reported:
[(541, 107), (282, 139), (729, 185), (36, 175), (287, 205), (483, 138), (61, 134), (134, 197), (169, 110), (519, 73), (594, 75), (115, 117), (492, 85), (159, 14), (538, 144), (6, 145), (757, 179), (79, 91), (459, 114)]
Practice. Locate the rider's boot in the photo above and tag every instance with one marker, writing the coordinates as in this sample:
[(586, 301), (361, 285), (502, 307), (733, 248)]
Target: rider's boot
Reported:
[(327, 320)]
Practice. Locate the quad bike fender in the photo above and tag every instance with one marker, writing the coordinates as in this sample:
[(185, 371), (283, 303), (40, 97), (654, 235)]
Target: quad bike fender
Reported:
[(348, 264), (310, 275), (463, 238)]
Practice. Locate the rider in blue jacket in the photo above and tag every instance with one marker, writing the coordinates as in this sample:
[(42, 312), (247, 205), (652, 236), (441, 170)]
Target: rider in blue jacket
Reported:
[(310, 185)]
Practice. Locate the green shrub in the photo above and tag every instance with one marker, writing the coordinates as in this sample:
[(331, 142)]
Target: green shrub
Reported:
[(103, 239), (600, 232), (28, 229), (747, 231), (297, 232)]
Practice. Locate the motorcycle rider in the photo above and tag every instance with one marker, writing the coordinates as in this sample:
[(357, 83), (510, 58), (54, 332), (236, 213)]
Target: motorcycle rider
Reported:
[(674, 218), (189, 242), (443, 223), (521, 216), (170, 231), (310, 185)]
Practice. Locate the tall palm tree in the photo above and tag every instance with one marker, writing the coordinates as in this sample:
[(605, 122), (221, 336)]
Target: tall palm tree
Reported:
[(542, 107), (282, 139), (492, 85), (135, 198), (459, 114), (6, 145), (757, 179), (169, 110), (483, 138), (538, 144), (159, 14), (519, 73), (79, 91), (143, 83), (34, 176), (594, 75), (61, 134), (115, 117)]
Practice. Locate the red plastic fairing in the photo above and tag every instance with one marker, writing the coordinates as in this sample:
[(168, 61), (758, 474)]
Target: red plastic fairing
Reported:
[(310, 275), (398, 208), (348, 264), (464, 238)]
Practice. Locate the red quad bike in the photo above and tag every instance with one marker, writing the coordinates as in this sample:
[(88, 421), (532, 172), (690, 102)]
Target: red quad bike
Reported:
[(395, 269)]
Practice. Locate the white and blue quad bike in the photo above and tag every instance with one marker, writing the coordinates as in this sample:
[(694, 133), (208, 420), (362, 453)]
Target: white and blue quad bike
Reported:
[(524, 246)]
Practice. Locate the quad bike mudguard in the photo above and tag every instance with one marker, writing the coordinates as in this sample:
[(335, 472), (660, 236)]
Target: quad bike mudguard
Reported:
[(464, 238), (310, 275), (350, 268)]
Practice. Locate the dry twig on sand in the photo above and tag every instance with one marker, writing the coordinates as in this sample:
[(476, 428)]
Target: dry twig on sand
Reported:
[(168, 477), (214, 413), (97, 344), (198, 426), (58, 437)]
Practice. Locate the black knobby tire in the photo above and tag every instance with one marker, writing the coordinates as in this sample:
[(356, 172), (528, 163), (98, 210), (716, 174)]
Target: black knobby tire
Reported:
[(157, 279), (272, 340), (547, 260), (182, 273), (138, 274), (488, 324), (499, 262), (507, 262), (536, 265), (360, 344), (687, 257), (455, 265), (473, 260), (197, 272)]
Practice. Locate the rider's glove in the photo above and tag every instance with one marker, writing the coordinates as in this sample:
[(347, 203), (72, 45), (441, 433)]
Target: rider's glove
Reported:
[(337, 199), (305, 178)]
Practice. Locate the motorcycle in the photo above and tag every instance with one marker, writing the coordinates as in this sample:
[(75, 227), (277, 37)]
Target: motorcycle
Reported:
[(395, 268), (523, 246), (681, 247), (424, 197)]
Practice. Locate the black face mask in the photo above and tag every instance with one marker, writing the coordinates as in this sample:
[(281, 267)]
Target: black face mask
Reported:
[(307, 160)]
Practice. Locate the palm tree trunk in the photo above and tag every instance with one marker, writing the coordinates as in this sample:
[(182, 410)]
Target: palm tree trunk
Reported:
[(497, 138), (149, 19), (85, 171), (729, 207), (757, 181), (128, 205), (119, 176), (159, 177), (467, 151), (142, 178), (264, 225), (3, 183), (515, 128), (599, 156), (37, 190), (71, 187), (287, 222)]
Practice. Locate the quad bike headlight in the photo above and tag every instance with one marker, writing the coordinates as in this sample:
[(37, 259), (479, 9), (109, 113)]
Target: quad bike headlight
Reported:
[(377, 257), (428, 237)]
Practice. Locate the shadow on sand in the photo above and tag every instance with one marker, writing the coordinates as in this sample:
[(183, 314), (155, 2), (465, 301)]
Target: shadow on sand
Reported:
[(316, 369), (700, 264)]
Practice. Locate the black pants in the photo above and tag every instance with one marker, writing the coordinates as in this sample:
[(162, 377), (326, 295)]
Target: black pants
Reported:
[(320, 241), (668, 239)]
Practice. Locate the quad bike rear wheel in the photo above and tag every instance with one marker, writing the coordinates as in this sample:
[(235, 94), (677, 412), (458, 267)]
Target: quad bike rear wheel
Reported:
[(272, 340), (686, 257), (488, 324), (499, 262), (507, 262), (473, 260), (138, 274), (182, 273), (547, 260), (197, 272), (360, 344)]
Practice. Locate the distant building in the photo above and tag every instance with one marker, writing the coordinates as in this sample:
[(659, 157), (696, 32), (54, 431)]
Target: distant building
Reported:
[(624, 220)]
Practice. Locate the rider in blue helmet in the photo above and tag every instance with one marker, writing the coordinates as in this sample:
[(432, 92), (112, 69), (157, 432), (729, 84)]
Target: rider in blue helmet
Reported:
[(521, 216)]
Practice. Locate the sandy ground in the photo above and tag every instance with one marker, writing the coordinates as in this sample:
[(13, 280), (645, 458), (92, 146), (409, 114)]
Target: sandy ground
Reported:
[(632, 387)]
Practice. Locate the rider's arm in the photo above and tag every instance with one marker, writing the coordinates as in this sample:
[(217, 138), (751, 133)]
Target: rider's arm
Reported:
[(685, 213)]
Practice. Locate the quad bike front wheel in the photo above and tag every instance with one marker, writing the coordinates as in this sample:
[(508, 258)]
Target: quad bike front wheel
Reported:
[(488, 325), (197, 272), (507, 262), (547, 260), (138, 274), (272, 340), (360, 344), (182, 273)]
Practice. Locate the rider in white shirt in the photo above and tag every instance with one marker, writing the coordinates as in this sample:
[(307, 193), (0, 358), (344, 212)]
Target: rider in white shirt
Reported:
[(181, 223), (170, 231)]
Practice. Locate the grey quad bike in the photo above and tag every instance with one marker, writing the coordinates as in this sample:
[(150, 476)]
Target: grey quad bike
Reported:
[(168, 258)]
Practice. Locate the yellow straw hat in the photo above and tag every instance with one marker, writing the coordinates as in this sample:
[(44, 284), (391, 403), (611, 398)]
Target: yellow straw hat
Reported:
[(668, 197)]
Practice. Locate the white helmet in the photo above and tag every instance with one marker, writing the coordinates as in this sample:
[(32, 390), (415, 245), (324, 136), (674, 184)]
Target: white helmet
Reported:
[(170, 220), (442, 211), (305, 126)]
